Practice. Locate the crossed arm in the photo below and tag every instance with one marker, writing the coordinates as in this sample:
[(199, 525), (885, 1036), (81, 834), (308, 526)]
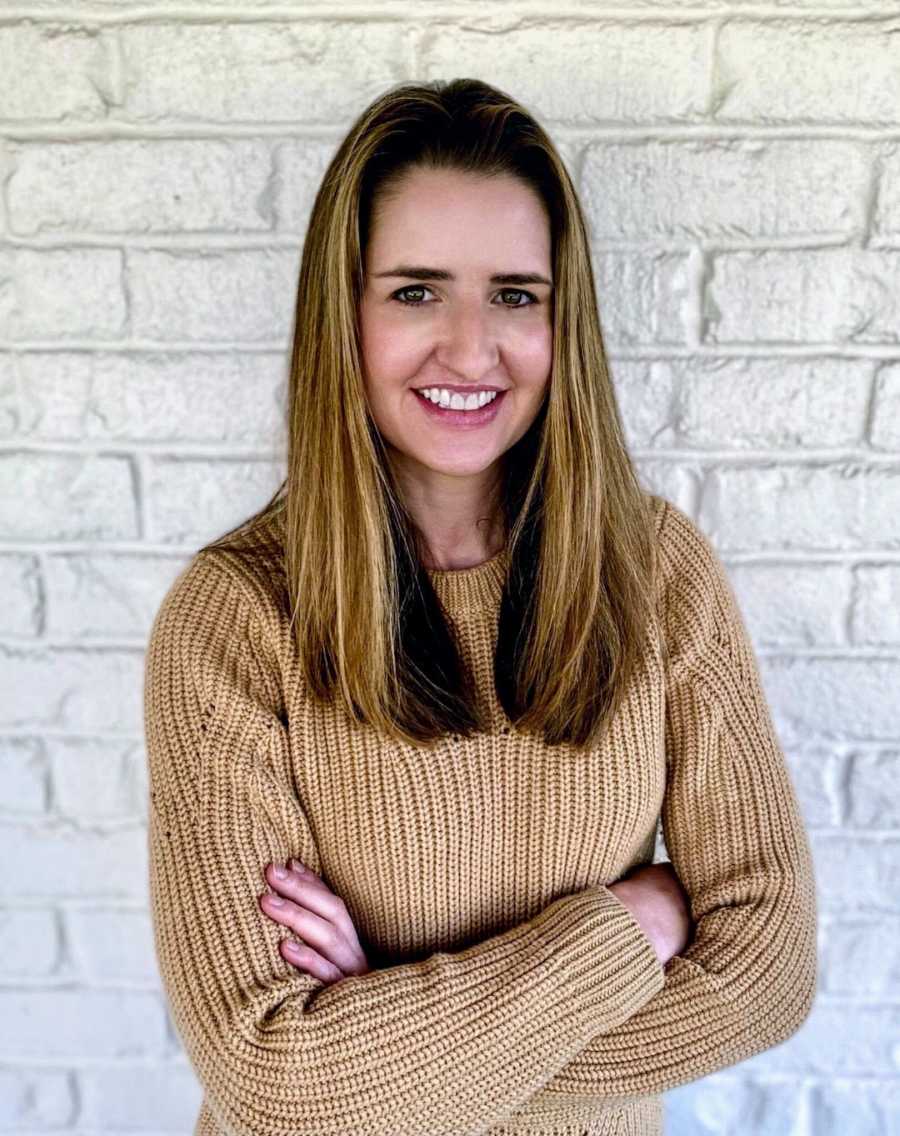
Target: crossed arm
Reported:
[(570, 1007), (452, 1043)]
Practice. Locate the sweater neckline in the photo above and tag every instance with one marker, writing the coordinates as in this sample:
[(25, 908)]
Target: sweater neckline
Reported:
[(477, 588)]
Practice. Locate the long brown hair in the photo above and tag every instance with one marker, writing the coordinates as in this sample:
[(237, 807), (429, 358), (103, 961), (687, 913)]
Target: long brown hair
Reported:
[(578, 597)]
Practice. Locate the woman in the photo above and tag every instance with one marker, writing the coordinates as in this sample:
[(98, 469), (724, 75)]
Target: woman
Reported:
[(410, 729)]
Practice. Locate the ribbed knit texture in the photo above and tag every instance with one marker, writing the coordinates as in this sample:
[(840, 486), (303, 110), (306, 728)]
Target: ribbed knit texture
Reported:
[(513, 991)]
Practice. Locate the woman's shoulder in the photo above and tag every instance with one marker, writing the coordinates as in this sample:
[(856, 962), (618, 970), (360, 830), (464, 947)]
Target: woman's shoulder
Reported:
[(252, 558), (696, 597), (689, 563), (228, 584), (683, 544)]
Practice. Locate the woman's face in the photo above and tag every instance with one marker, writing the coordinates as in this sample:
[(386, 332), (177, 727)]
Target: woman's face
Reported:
[(457, 300)]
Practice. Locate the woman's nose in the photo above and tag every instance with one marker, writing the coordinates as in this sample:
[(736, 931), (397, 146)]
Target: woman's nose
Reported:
[(467, 341)]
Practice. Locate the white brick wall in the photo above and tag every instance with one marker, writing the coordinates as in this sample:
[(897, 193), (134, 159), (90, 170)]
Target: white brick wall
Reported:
[(740, 166)]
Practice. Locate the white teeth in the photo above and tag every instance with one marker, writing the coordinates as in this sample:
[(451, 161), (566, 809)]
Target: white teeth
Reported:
[(441, 397)]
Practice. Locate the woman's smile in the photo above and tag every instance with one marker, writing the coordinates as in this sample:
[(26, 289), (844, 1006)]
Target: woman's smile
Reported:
[(457, 416)]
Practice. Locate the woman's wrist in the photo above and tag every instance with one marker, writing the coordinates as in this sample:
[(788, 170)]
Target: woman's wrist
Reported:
[(630, 894)]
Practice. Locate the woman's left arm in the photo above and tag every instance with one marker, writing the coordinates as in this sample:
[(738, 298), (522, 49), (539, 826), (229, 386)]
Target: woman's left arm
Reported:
[(734, 834)]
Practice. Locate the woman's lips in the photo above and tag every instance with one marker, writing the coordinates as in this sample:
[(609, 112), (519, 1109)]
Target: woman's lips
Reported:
[(450, 417)]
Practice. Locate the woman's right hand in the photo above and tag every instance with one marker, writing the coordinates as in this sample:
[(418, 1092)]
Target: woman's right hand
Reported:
[(654, 896)]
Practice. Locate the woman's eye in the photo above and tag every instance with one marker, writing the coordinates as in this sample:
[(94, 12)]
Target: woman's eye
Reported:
[(532, 299), (399, 295)]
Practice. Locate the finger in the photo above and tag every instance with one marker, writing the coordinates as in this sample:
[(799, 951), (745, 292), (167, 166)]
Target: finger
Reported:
[(294, 915), (277, 908), (308, 890), (304, 958), (360, 964), (353, 959), (319, 933)]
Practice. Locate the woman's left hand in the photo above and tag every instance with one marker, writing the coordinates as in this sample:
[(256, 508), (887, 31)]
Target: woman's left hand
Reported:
[(330, 949)]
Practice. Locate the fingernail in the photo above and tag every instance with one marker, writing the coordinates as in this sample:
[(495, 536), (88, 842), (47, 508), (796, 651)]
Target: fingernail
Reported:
[(293, 947), (276, 901), (297, 866), (280, 873)]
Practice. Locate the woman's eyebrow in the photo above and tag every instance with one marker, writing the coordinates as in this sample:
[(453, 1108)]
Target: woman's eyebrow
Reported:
[(420, 272)]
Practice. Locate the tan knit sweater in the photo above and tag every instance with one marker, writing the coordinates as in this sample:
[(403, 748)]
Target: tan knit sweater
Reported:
[(514, 992)]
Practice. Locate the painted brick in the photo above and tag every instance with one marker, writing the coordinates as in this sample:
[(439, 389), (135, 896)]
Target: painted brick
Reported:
[(31, 1099), (789, 70), (613, 71), (54, 1024), (725, 188), (183, 495), (203, 397), (805, 296), (97, 596), (250, 72), (141, 186), (217, 295), (67, 496), (51, 72), (62, 293), (826, 506)]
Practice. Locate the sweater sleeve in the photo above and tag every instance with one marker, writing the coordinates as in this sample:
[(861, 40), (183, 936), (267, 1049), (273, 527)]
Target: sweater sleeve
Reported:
[(733, 830), (451, 1043)]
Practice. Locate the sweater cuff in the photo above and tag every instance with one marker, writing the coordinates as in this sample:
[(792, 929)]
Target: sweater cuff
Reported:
[(617, 970)]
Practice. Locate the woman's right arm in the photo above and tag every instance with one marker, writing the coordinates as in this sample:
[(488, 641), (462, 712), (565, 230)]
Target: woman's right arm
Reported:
[(455, 1042)]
